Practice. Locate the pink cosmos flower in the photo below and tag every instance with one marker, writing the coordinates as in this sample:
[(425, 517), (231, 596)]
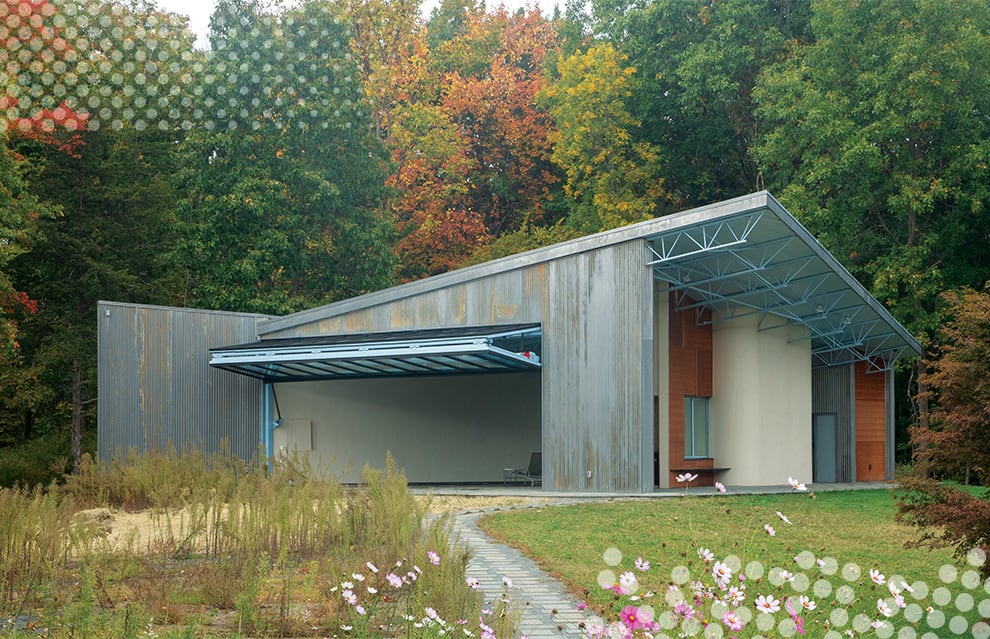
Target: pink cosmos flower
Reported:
[(798, 621), (767, 605), (770, 530), (720, 487), (732, 621), (394, 580), (431, 613), (721, 573), (434, 557), (372, 567), (686, 477), (632, 618), (506, 582), (349, 597), (783, 517), (706, 555), (641, 564), (787, 576), (795, 484), (472, 582), (684, 609), (360, 610), (883, 608), (807, 603), (735, 596), (877, 577)]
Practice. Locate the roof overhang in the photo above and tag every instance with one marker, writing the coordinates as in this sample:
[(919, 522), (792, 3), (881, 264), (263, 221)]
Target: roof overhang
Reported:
[(442, 351), (762, 262)]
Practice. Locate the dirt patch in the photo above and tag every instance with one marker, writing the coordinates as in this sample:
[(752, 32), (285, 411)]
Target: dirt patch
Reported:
[(138, 530), (442, 504)]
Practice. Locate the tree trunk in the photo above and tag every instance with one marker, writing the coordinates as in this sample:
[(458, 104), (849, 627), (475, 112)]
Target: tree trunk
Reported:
[(921, 453), (77, 415), (923, 417)]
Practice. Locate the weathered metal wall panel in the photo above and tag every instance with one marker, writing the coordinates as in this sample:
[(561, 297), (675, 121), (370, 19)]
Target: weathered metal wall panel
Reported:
[(832, 392), (156, 386), (510, 297), (597, 340), (596, 309)]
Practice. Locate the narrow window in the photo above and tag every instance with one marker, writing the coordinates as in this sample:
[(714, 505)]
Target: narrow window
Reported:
[(696, 427)]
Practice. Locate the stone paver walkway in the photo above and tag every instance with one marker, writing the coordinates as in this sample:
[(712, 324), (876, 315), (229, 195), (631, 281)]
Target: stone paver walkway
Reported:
[(548, 610)]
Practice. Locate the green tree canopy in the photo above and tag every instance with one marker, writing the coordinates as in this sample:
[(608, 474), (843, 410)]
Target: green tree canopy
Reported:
[(877, 137), (279, 208)]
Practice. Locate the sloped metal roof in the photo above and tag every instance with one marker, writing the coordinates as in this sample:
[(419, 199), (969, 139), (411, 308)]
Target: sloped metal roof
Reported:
[(739, 257), (763, 262), (442, 351)]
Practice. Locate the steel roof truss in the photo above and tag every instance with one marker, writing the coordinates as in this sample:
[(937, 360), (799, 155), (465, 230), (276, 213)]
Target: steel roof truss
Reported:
[(705, 237)]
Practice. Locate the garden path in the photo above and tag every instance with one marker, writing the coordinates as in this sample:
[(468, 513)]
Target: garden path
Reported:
[(548, 610)]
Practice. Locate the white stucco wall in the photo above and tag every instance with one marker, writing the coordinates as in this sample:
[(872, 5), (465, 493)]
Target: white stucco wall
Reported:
[(761, 407), (438, 429)]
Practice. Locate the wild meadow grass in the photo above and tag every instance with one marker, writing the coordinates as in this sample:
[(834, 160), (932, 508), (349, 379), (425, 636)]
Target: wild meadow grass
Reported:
[(823, 547), (232, 549)]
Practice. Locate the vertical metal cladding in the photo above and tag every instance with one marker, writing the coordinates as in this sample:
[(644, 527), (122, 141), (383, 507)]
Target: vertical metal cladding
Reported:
[(596, 310), (156, 386), (594, 411), (832, 392)]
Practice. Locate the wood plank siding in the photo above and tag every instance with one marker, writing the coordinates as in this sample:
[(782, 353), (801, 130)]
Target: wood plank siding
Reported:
[(871, 425), (690, 375)]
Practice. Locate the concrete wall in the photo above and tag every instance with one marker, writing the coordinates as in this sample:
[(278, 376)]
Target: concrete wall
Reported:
[(761, 407), (439, 429)]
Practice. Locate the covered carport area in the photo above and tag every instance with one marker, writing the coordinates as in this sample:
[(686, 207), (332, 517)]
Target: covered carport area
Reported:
[(452, 405)]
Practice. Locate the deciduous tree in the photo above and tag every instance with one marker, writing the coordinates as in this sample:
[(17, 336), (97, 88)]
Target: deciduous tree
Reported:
[(611, 178), (281, 208), (876, 137)]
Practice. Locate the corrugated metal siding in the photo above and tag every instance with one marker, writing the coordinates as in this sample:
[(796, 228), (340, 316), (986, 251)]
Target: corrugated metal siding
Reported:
[(832, 391), (596, 309), (156, 386)]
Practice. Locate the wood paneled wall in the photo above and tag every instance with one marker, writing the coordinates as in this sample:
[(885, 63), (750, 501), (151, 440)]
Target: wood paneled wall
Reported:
[(871, 425), (690, 375)]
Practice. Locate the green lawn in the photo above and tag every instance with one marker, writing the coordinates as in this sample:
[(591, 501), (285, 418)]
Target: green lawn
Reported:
[(851, 527)]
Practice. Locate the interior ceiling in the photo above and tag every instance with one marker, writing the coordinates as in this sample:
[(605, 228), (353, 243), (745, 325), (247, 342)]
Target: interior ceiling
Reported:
[(760, 263), (443, 351)]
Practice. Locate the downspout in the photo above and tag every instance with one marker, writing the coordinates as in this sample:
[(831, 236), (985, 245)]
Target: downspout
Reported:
[(268, 422)]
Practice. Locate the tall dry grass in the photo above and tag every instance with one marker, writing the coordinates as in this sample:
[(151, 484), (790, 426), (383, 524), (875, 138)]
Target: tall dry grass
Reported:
[(234, 548)]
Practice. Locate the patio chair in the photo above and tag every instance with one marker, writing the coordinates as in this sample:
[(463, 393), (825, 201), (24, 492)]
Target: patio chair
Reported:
[(533, 474)]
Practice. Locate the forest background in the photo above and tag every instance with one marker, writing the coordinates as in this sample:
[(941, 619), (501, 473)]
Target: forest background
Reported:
[(322, 150)]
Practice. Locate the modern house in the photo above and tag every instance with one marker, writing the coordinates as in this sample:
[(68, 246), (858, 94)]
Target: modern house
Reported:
[(724, 340)]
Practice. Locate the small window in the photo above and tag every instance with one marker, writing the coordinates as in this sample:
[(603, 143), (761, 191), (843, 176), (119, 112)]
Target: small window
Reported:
[(696, 442)]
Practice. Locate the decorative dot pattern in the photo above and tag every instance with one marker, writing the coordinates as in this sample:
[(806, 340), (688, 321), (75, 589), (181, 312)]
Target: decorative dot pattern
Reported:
[(814, 597), (87, 64)]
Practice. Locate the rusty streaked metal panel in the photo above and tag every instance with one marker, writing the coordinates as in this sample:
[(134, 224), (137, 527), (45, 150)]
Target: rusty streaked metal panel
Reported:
[(596, 311), (832, 391), (156, 386), (597, 358), (511, 297)]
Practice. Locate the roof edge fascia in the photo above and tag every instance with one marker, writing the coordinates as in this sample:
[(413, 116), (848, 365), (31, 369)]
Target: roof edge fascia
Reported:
[(837, 267), (640, 230), (182, 309)]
